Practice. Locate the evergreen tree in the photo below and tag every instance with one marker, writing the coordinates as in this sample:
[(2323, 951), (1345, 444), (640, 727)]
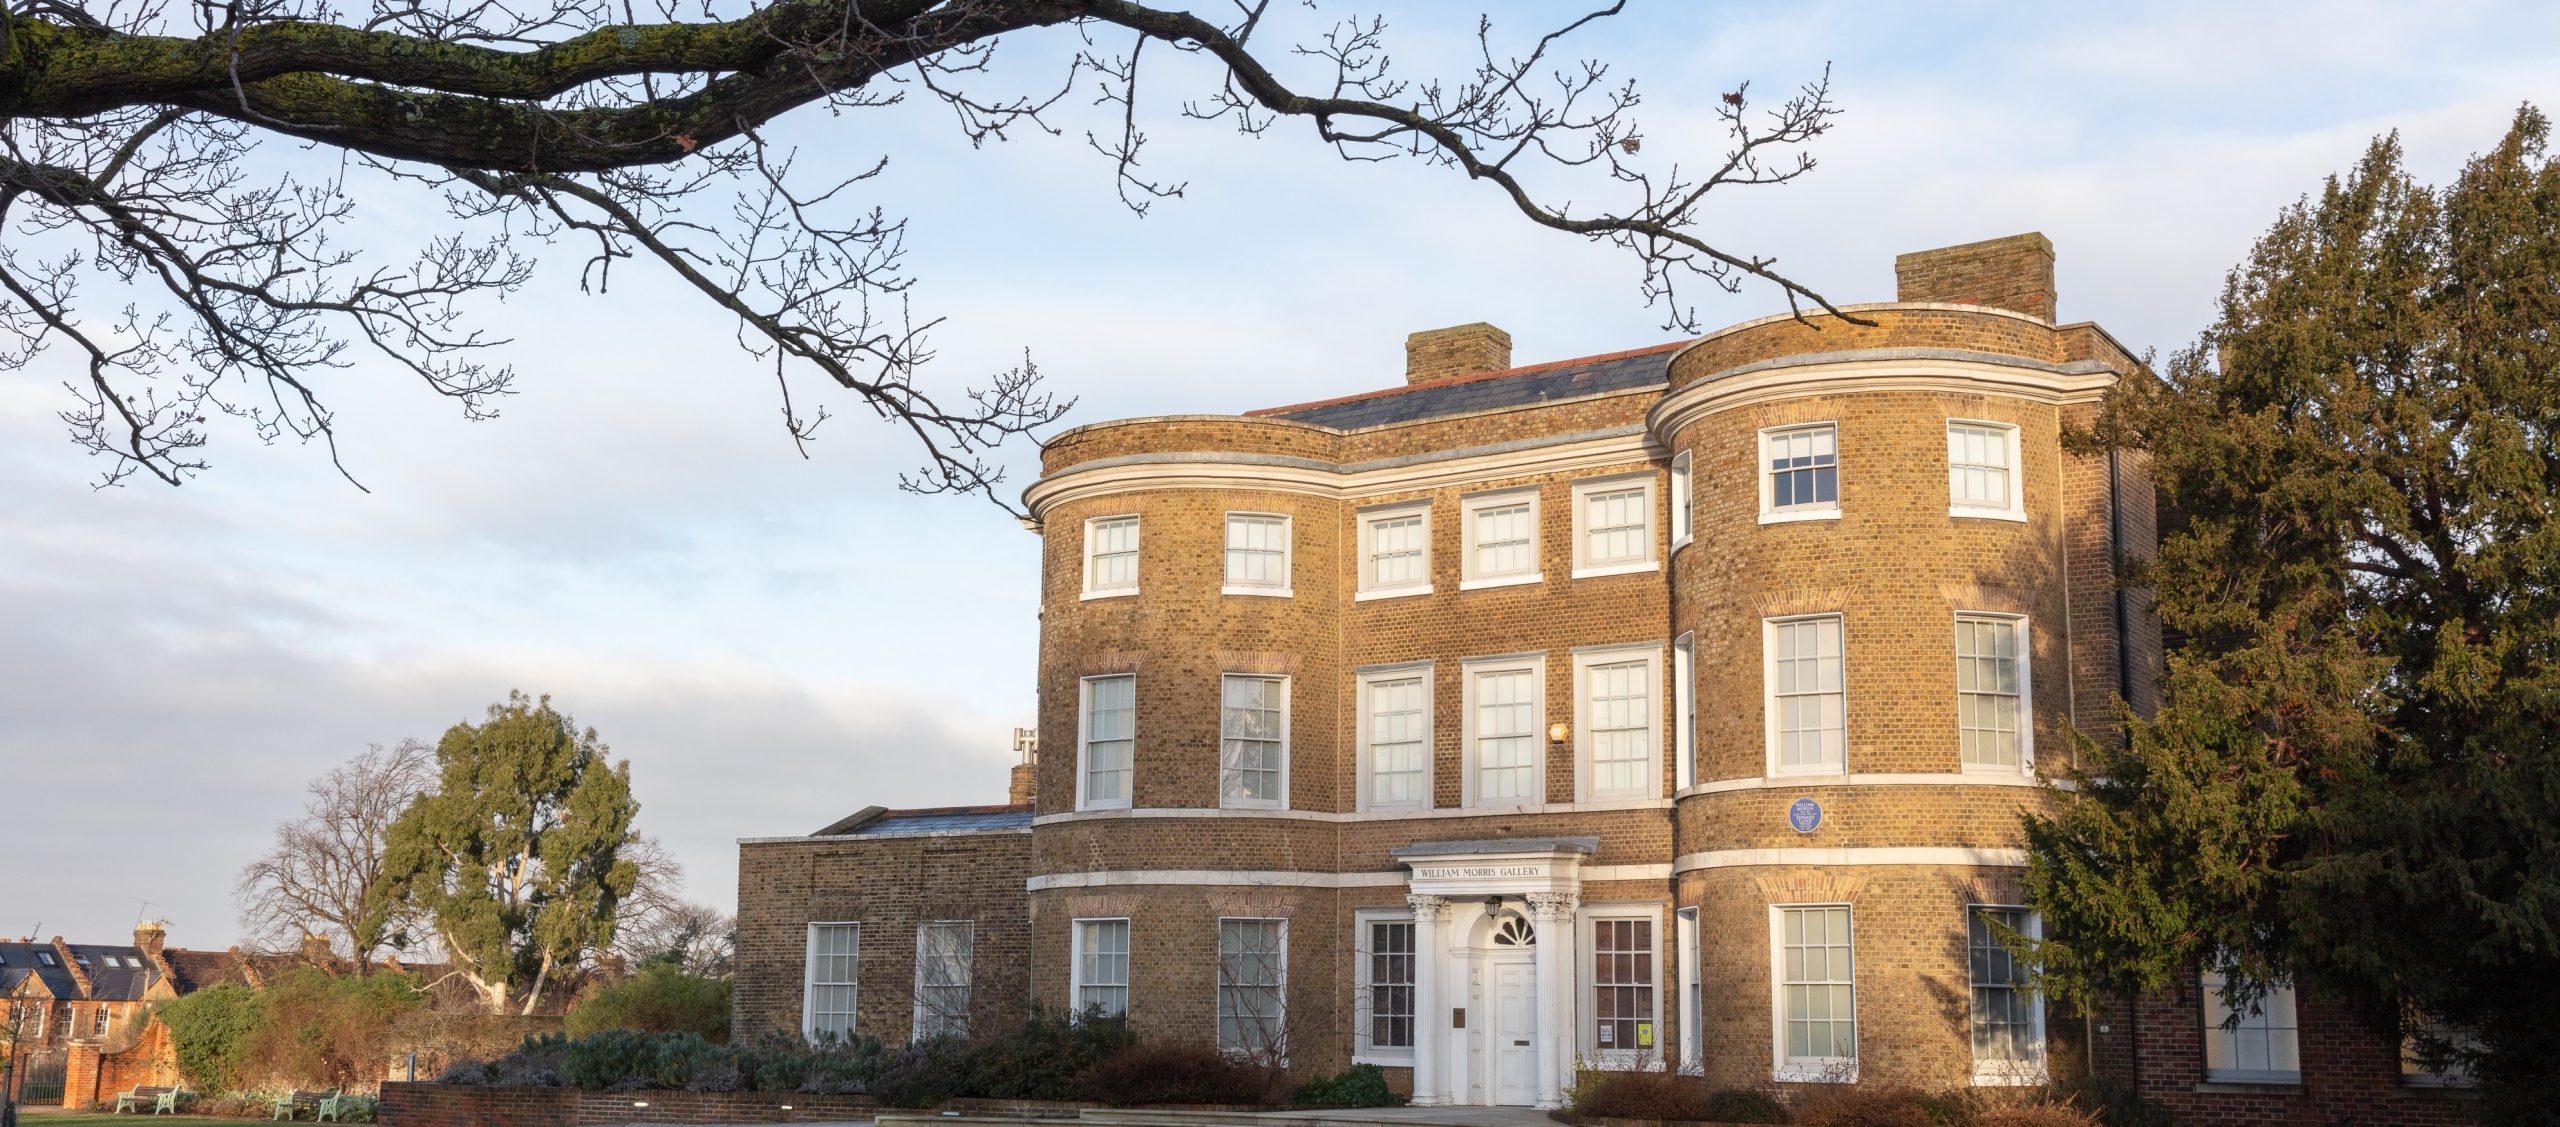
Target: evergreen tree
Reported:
[(2353, 783), (519, 855)]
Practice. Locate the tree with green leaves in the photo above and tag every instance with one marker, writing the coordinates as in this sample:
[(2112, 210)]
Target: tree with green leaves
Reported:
[(519, 856), (2353, 783)]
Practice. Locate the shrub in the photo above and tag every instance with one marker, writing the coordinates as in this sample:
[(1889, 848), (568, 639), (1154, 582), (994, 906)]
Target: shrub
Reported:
[(1362, 1085), (1042, 1057), (1175, 1074), (1639, 1095), (210, 1030), (1743, 1105), (2115, 1103), (2031, 1115), (629, 1060), (320, 1031), (660, 999), (1841, 1105)]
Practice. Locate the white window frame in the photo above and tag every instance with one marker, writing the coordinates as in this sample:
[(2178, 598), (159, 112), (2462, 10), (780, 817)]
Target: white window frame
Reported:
[(1684, 518), (1218, 987), (1770, 513), (2415, 1074), (1684, 934), (1369, 587), (1364, 1050), (1138, 563), (1808, 1070), (2016, 510), (809, 980), (1584, 567), (1684, 712), (2210, 999), (1285, 588), (1287, 693), (1536, 666), (1585, 659), (1076, 983), (1769, 693), (1084, 750), (1470, 578), (2009, 1073), (2026, 694), (968, 976), (1587, 975), (1365, 801)]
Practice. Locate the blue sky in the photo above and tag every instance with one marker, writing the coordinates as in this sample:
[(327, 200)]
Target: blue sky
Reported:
[(775, 642)]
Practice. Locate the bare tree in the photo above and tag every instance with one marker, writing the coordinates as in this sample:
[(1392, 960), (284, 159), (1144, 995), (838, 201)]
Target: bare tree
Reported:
[(189, 279), (318, 878), (697, 939)]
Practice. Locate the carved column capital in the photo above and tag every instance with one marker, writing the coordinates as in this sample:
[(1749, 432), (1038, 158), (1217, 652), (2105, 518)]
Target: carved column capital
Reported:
[(1428, 909), (1550, 907)]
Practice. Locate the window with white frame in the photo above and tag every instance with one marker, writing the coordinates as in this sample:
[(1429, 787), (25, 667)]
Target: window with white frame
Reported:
[(1684, 712), (1800, 472), (1808, 701), (2254, 1043), (1253, 957), (1613, 526), (1101, 967), (98, 1021), (1257, 554), (1616, 721), (1110, 556), (1992, 718), (1501, 538), (1692, 994), (2437, 1055), (2008, 1018), (1505, 708), (1253, 741), (1682, 520), (944, 951), (1395, 739), (1623, 1007), (1386, 966), (830, 981), (1395, 552), (1982, 470), (1817, 992), (1110, 738)]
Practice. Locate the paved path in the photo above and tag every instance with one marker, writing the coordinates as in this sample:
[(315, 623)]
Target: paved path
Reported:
[(1436, 1116)]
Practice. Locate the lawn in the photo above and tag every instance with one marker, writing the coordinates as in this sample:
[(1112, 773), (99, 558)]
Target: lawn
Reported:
[(32, 1118)]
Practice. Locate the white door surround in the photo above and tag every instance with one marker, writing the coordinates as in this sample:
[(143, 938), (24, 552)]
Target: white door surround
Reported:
[(1470, 902)]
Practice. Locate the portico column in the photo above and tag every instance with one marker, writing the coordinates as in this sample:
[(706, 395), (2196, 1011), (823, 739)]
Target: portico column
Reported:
[(1553, 913), (1428, 1022)]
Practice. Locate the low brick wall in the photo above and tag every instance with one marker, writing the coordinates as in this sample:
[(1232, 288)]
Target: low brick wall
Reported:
[(468, 1105)]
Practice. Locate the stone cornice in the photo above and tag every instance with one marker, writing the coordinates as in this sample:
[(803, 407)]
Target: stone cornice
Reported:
[(1868, 371), (1135, 473)]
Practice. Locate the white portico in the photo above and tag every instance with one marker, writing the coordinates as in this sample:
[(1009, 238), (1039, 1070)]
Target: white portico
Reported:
[(1494, 930)]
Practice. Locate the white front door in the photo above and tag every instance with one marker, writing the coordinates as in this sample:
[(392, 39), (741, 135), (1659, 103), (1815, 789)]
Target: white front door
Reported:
[(1515, 1033)]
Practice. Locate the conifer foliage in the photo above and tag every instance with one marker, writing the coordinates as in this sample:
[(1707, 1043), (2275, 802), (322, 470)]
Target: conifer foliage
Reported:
[(2353, 783)]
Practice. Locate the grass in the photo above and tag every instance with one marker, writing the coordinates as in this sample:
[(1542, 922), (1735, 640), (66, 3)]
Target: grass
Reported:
[(32, 1117)]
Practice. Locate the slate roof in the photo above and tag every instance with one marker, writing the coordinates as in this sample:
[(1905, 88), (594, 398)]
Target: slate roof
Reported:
[(21, 961), (1516, 387), (909, 823)]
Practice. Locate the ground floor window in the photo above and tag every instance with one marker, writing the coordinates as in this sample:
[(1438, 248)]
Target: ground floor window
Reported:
[(1622, 986), (2253, 1042), (1252, 988), (830, 982), (1817, 993), (944, 951), (1387, 968), (2008, 1033), (1101, 967)]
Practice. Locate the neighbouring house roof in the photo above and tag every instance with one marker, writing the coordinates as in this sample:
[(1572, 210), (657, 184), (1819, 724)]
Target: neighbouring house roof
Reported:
[(28, 960), (877, 821), (1514, 387)]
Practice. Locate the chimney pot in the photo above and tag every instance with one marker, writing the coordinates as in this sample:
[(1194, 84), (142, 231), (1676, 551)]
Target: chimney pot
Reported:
[(1459, 350), (2013, 273)]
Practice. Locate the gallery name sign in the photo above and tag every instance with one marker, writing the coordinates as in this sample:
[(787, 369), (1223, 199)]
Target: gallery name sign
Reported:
[(1479, 872)]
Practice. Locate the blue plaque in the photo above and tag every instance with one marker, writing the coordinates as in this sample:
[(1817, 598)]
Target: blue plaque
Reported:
[(1805, 815)]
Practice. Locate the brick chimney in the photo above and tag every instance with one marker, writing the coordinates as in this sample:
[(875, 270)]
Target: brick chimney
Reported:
[(2015, 273), (1026, 743), (150, 937), (1459, 350)]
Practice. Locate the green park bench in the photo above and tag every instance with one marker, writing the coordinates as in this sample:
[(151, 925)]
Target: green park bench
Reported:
[(323, 1105), (163, 1101)]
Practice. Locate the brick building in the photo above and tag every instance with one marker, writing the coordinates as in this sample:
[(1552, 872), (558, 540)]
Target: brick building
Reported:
[(1673, 704)]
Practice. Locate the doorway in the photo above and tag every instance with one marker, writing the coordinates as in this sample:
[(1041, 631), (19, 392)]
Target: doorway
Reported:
[(1515, 1032)]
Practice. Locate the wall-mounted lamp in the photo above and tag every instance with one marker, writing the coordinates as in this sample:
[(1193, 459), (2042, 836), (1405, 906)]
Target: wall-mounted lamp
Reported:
[(1559, 732)]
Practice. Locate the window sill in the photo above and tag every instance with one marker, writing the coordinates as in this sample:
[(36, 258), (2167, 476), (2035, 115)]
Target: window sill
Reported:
[(1391, 593), (1790, 515), (1996, 771), (2023, 1076), (1776, 773), (1267, 592), (1501, 581), (1837, 1072), (1127, 593), (1616, 569), (1384, 1060), (1960, 511), (1092, 806), (1254, 807), (2251, 1087), (2434, 1087)]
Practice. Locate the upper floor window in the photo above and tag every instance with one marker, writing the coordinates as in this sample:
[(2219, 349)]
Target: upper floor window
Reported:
[(1817, 993), (1684, 712), (1617, 721), (1613, 526), (2008, 1019), (1992, 715), (1982, 470), (1395, 739), (944, 951), (829, 981), (1506, 706), (1395, 552), (1681, 517), (1807, 699), (1253, 741), (1501, 539), (1110, 736), (1099, 967), (2262, 1045), (1257, 554), (1800, 478), (1110, 557)]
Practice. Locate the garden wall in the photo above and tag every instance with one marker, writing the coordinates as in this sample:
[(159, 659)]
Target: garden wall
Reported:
[(469, 1105)]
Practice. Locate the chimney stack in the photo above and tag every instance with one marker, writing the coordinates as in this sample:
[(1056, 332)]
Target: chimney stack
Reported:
[(1459, 350), (2014, 273), (1026, 743), (149, 937)]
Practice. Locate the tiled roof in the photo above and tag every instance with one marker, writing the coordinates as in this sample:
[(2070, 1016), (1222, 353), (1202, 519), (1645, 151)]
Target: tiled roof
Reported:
[(909, 823), (1516, 387)]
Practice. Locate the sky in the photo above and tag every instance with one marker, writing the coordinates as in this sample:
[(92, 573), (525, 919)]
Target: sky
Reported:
[(774, 642)]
